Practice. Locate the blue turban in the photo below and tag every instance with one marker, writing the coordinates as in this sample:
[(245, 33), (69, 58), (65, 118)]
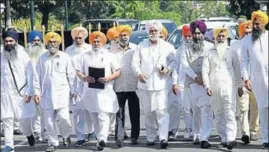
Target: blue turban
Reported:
[(198, 24), (11, 33), (33, 34)]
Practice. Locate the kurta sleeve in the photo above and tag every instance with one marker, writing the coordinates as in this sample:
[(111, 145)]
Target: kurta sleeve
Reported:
[(245, 60), (29, 76), (236, 68), (136, 61), (206, 71), (37, 77), (171, 59), (70, 74), (186, 66)]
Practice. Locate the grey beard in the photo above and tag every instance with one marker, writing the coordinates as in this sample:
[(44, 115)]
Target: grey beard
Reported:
[(12, 55), (197, 45), (35, 51), (255, 34)]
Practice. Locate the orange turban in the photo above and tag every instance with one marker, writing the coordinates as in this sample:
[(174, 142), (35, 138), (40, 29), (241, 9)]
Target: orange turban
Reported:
[(217, 31), (112, 33), (75, 31), (260, 16), (96, 34), (54, 36), (186, 30), (242, 27), (164, 32), (124, 28)]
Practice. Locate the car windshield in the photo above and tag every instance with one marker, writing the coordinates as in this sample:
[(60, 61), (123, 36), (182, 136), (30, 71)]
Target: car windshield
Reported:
[(175, 38), (138, 36), (169, 26)]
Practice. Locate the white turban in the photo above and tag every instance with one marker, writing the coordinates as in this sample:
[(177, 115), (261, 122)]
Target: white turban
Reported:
[(154, 24)]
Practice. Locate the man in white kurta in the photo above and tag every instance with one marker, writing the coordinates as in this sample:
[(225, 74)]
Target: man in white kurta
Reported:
[(99, 102), (80, 115), (173, 102), (16, 87), (220, 71), (254, 61), (192, 58), (246, 100), (53, 83), (36, 126), (150, 66)]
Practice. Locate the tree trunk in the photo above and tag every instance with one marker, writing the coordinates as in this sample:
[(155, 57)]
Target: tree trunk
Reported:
[(45, 15), (8, 14)]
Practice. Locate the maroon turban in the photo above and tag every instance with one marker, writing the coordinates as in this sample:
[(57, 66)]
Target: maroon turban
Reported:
[(198, 24)]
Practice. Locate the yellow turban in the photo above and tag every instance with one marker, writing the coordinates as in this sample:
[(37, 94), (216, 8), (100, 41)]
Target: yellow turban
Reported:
[(124, 28), (217, 31), (112, 33), (96, 34), (242, 27), (75, 31), (52, 36), (260, 16), (164, 32)]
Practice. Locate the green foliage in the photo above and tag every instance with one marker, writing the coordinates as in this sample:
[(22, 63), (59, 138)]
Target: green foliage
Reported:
[(243, 7)]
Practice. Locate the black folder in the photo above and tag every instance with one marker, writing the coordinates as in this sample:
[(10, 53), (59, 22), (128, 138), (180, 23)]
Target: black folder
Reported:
[(96, 73)]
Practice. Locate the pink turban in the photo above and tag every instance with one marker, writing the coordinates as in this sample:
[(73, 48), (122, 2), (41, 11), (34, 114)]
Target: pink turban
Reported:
[(75, 31)]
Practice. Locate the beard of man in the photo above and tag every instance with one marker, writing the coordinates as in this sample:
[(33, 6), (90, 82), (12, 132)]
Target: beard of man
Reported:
[(256, 33), (35, 51), (11, 52), (221, 46), (197, 44)]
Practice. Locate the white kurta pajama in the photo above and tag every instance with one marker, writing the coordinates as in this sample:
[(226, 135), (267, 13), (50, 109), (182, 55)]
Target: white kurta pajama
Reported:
[(220, 73), (35, 124), (100, 102), (202, 112), (54, 80), (80, 114), (254, 61), (153, 95), (12, 103)]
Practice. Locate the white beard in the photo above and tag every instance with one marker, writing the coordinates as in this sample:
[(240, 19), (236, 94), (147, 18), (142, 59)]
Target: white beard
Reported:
[(221, 48), (35, 52)]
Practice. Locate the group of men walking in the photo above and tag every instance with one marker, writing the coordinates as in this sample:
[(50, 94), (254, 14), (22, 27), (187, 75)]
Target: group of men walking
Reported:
[(94, 81)]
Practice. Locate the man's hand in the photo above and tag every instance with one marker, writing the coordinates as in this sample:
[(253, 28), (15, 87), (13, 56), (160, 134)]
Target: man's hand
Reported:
[(175, 89), (27, 99), (199, 80), (89, 79), (209, 92), (104, 79), (142, 78), (240, 91), (248, 85), (37, 99), (164, 71)]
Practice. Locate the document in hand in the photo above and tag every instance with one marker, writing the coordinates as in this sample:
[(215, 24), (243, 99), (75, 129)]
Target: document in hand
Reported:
[(96, 73)]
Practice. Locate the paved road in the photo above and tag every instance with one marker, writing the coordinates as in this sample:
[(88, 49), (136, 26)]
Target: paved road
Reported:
[(179, 145)]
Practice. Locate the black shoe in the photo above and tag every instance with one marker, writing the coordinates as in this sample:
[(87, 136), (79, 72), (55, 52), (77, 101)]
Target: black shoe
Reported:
[(119, 143), (163, 144), (231, 145), (80, 143), (150, 143), (67, 142), (134, 141), (100, 145), (265, 145), (91, 137), (31, 140), (253, 137), (51, 149), (17, 132), (125, 136), (171, 136), (224, 144), (245, 139), (205, 144)]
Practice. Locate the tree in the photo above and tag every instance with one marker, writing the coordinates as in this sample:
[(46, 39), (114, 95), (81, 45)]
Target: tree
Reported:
[(243, 7)]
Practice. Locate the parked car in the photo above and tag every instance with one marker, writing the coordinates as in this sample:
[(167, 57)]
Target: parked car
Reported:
[(176, 38), (108, 23), (170, 25)]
